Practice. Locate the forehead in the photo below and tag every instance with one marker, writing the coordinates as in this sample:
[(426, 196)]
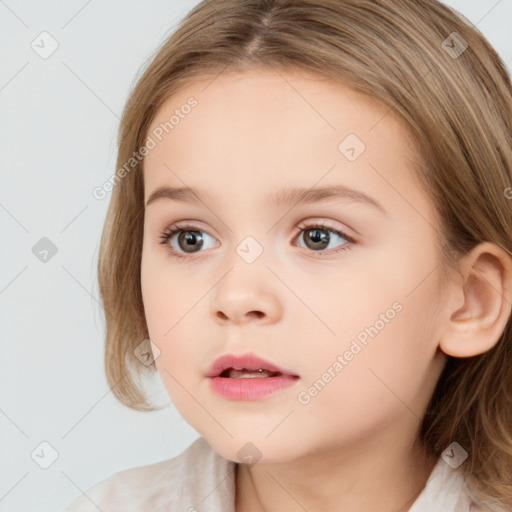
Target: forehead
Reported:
[(255, 131)]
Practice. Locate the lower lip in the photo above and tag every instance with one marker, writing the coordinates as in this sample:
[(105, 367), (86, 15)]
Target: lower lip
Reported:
[(251, 388)]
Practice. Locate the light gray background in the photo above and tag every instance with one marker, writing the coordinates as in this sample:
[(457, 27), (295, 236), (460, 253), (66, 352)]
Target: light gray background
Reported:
[(60, 117)]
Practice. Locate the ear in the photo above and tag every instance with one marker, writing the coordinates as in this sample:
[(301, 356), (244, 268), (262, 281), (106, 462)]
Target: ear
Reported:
[(480, 302)]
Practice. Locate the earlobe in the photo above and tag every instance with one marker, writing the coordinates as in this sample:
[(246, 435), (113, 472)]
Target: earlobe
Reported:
[(486, 292)]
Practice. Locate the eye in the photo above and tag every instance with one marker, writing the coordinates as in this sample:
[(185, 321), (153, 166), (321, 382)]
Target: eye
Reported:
[(318, 237), (190, 239)]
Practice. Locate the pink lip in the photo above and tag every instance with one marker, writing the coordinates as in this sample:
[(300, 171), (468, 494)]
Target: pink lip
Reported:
[(248, 361), (248, 388)]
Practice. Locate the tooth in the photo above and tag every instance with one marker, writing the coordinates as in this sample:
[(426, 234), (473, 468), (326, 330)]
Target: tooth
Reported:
[(249, 374)]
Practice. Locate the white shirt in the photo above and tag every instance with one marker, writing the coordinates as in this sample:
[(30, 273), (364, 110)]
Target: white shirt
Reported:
[(201, 480)]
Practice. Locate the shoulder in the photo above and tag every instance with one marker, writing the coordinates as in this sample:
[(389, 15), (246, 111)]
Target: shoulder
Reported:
[(177, 481)]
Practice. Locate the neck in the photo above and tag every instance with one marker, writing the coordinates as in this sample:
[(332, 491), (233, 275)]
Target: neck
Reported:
[(376, 476)]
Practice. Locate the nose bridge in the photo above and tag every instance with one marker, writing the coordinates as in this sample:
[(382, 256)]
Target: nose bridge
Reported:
[(246, 290), (246, 263), (253, 238), (249, 234), (251, 249)]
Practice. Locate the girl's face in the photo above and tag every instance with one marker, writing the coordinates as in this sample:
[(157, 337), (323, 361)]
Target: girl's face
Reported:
[(351, 305)]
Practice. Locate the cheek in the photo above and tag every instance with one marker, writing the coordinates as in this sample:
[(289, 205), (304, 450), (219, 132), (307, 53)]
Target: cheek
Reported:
[(169, 306), (161, 305), (157, 303), (385, 323), (162, 293), (389, 377)]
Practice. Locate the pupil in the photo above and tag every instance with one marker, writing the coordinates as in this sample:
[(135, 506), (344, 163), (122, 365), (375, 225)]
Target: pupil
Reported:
[(319, 236), (189, 237)]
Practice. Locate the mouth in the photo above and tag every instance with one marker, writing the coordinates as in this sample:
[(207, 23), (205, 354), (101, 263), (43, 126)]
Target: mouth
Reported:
[(246, 366), (245, 373), (248, 377)]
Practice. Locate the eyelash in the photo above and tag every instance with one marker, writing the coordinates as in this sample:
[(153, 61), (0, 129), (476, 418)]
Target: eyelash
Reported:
[(169, 232)]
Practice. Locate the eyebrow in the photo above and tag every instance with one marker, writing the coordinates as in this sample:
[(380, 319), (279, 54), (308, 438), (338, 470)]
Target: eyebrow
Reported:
[(285, 196)]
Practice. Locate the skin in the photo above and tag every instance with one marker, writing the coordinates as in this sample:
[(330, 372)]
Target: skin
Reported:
[(355, 445)]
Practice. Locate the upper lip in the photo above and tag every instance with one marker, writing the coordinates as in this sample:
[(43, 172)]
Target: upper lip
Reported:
[(245, 361)]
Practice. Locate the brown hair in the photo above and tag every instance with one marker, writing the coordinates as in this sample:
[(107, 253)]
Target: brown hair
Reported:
[(456, 102)]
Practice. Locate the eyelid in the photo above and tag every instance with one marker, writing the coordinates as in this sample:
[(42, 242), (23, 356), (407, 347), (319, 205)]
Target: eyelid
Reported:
[(192, 225), (310, 224)]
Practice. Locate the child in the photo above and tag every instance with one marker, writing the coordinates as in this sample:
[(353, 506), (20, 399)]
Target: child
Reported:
[(341, 338)]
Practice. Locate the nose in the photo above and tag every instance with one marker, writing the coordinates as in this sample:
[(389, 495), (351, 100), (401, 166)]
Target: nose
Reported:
[(243, 297)]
